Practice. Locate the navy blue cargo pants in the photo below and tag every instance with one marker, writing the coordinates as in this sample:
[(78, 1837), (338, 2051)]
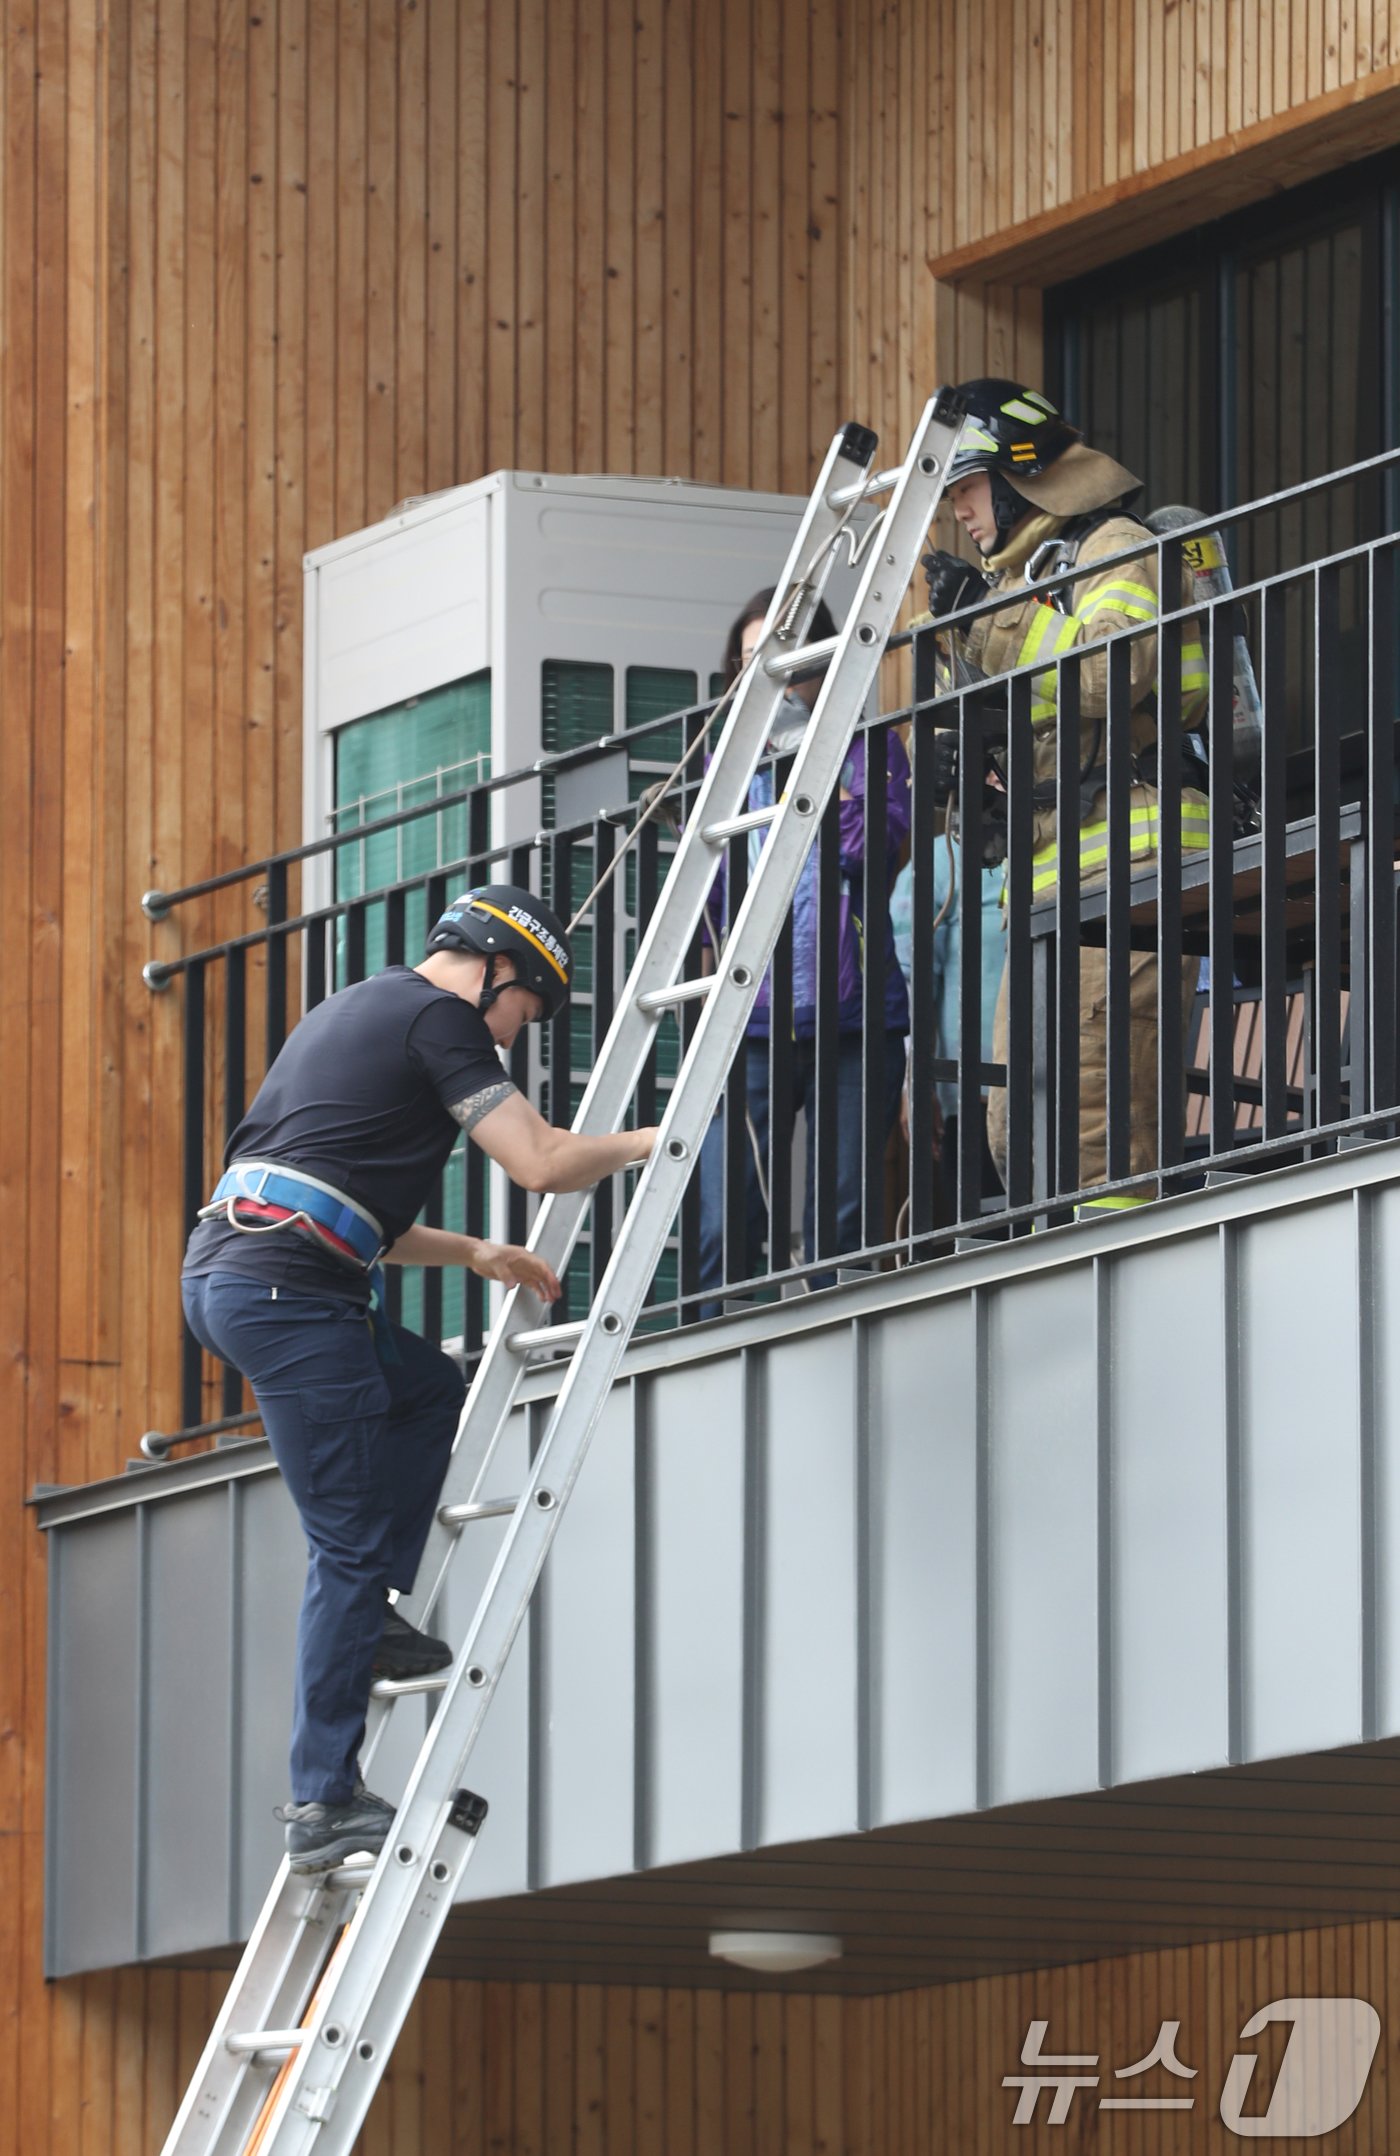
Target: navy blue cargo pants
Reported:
[(363, 1445)]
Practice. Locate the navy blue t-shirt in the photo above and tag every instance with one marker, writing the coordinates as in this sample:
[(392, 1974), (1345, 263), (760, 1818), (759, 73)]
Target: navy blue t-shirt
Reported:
[(360, 1097)]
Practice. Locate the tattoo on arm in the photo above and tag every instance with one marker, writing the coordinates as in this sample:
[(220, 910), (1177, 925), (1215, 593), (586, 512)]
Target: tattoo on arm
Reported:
[(470, 1111)]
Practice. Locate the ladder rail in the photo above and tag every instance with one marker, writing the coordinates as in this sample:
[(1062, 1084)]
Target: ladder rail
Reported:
[(353, 2004), (391, 1937)]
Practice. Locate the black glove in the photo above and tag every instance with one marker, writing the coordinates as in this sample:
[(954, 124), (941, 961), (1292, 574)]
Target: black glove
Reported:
[(952, 583)]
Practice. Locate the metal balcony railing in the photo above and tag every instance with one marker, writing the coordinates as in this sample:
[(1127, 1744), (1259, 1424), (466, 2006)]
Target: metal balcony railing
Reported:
[(1275, 946)]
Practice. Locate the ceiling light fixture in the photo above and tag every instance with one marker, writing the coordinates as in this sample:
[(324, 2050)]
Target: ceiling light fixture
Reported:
[(775, 1953)]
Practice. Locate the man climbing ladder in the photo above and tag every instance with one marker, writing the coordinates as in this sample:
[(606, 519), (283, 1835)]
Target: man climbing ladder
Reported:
[(326, 1176)]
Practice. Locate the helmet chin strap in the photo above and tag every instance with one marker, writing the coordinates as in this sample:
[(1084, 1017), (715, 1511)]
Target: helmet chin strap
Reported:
[(489, 991), (1008, 507)]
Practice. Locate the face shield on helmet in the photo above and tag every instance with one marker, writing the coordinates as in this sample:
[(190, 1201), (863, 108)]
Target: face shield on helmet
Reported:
[(502, 920)]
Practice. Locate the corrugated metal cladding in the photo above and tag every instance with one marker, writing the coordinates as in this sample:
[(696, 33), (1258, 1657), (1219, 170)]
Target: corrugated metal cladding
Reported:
[(1119, 1503)]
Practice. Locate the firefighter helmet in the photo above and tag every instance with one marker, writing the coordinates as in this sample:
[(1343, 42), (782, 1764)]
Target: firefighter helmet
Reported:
[(1032, 456)]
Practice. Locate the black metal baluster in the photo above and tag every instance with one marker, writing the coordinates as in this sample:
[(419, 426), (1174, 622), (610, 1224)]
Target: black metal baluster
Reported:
[(395, 926), (1171, 1042), (1067, 926), (191, 1358), (1327, 850), (523, 873), (1380, 831), (1028, 1077), (1273, 889), (235, 1081), (1118, 1099), (825, 1106), (316, 930), (604, 994), (739, 1164), (276, 958), (355, 942), (967, 897), (923, 838), (1221, 663), (875, 915)]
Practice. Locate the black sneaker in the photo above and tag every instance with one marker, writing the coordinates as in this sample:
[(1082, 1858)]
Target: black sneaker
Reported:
[(322, 1836), (405, 1652)]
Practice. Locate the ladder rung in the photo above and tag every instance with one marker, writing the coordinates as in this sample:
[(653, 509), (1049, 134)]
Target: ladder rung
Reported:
[(715, 834), (489, 1508), (545, 1336), (860, 489), (347, 1877), (400, 1687), (784, 663), (661, 999), (259, 2040)]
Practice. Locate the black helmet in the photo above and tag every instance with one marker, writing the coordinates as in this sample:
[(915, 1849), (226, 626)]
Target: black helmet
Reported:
[(499, 919), (1009, 429), (1011, 433)]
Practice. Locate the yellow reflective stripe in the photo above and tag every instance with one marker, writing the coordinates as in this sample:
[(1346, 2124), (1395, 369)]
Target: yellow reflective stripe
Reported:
[(974, 437), (1050, 633), (1137, 601), (1193, 666), (1108, 1205), (522, 930), (1052, 636), (1143, 836)]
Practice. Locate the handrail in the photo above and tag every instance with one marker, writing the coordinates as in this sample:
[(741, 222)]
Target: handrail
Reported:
[(156, 905)]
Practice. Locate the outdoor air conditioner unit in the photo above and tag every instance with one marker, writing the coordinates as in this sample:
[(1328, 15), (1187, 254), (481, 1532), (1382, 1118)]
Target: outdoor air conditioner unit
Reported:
[(478, 628)]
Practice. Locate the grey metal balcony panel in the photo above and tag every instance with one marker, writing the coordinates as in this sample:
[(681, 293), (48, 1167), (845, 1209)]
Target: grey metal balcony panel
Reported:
[(191, 1802), (96, 1755), (921, 1418), (804, 1717), (272, 1565), (1117, 1503), (1167, 1516), (499, 1765), (584, 1689), (1300, 1488), (692, 1621), (1038, 1382)]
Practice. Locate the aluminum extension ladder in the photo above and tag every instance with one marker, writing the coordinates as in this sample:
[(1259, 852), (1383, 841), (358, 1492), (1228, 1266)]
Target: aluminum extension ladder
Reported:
[(336, 1959)]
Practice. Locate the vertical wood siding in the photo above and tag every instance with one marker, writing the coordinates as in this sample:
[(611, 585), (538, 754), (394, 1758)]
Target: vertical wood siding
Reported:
[(1059, 99), (553, 2069), (267, 267)]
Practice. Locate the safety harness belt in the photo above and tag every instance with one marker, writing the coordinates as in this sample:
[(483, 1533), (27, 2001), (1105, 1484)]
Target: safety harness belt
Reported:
[(269, 1195)]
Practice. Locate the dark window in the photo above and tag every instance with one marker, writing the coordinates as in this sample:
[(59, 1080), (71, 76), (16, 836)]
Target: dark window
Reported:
[(1249, 355), (1252, 355)]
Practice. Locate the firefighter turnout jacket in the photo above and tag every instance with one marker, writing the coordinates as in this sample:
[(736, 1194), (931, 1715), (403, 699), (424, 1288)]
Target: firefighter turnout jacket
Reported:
[(1029, 630)]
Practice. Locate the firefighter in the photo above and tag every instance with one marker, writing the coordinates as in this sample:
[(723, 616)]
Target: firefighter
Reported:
[(325, 1178), (1034, 498)]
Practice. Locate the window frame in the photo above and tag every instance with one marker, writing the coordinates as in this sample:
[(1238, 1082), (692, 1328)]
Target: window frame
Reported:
[(1208, 259)]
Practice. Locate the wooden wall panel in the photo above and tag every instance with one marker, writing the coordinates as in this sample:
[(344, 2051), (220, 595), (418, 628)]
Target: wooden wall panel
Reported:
[(555, 2069), (269, 266), (1061, 98)]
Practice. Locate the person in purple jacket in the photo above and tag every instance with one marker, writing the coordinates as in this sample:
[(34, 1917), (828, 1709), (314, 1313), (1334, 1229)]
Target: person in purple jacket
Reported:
[(789, 725)]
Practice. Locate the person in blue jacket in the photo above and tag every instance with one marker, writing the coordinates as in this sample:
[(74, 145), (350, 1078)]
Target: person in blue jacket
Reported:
[(793, 716)]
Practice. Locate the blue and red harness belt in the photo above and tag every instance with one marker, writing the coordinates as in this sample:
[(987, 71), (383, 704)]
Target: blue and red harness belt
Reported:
[(258, 1197)]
